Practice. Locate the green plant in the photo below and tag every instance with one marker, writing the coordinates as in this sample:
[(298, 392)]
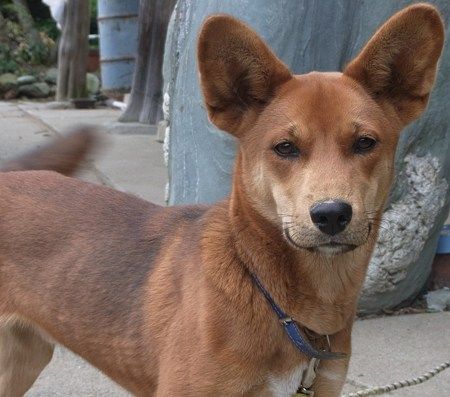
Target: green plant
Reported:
[(8, 10), (7, 62), (32, 54), (93, 6), (17, 55), (93, 25), (48, 26)]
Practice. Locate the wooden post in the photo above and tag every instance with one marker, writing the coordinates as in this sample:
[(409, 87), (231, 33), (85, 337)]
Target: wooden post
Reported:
[(73, 51), (146, 93)]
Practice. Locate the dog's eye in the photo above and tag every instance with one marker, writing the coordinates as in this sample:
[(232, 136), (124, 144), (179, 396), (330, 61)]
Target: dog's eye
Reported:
[(286, 149), (364, 144)]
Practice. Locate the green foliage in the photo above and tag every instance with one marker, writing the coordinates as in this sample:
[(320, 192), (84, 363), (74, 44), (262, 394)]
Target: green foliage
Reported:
[(7, 61), (93, 9), (43, 18), (16, 54), (93, 25), (8, 10), (48, 27)]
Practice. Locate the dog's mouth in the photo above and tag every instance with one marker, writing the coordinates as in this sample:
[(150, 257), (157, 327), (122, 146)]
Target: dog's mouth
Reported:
[(333, 248), (327, 248)]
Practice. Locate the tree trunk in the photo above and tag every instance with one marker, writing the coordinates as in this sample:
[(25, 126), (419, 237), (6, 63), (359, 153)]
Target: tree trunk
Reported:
[(146, 93), (73, 51), (27, 22)]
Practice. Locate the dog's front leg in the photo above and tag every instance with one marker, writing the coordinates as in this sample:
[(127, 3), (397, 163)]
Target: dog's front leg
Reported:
[(331, 374), (23, 355)]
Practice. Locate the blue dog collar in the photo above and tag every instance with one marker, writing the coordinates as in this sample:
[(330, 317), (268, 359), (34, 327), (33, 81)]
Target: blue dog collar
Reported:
[(292, 330)]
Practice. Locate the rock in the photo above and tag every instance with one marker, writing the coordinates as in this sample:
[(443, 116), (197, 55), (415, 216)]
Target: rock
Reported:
[(319, 36), (8, 81), (439, 300), (24, 80), (406, 245), (51, 76), (92, 84), (36, 90)]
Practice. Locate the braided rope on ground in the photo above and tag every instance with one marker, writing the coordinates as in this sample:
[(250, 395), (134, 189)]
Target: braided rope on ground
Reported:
[(375, 391)]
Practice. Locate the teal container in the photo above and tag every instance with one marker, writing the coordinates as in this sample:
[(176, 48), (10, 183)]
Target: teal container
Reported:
[(118, 38), (444, 241)]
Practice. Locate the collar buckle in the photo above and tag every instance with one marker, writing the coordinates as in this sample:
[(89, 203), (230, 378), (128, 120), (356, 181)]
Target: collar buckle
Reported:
[(302, 392), (286, 320)]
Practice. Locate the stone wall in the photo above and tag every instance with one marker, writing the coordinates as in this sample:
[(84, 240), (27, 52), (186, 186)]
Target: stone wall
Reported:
[(316, 35)]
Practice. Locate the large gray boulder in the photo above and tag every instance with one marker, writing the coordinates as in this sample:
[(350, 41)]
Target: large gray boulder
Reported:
[(316, 35), (35, 90), (92, 84), (26, 79), (51, 76)]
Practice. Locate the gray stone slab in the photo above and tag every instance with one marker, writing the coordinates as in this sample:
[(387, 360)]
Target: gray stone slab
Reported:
[(68, 375), (9, 109), (121, 128), (391, 349), (134, 164), (60, 119), (18, 132), (349, 387)]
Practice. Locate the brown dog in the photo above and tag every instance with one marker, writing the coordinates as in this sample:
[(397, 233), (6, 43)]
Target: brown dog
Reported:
[(166, 301)]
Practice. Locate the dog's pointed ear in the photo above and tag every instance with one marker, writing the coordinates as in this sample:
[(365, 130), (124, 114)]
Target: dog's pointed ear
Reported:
[(398, 65), (238, 71)]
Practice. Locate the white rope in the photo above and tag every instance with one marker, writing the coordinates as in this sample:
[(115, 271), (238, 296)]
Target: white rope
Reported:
[(375, 391)]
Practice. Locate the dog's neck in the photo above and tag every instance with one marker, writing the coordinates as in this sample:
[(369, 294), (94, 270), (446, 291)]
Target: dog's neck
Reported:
[(319, 291)]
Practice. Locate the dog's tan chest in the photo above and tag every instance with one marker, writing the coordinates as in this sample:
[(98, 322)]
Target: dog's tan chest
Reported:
[(285, 385)]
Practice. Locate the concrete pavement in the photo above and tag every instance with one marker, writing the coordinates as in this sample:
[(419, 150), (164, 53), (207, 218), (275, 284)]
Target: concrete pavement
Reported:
[(385, 349), (391, 349)]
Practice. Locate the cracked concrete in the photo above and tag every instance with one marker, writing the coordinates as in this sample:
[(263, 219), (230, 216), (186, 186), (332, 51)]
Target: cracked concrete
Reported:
[(390, 349)]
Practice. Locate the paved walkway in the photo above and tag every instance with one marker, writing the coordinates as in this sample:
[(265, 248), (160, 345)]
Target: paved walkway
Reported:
[(385, 350)]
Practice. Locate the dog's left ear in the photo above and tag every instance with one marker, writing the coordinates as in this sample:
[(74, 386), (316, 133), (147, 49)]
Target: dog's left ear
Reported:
[(398, 65), (238, 72)]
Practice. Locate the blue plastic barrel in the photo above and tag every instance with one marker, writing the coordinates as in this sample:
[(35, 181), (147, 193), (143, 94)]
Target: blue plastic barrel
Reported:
[(444, 241), (118, 31)]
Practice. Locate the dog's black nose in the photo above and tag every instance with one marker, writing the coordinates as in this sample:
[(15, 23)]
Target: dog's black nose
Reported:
[(331, 217)]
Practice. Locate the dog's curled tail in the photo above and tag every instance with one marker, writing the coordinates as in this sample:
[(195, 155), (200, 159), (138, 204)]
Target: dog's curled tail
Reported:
[(63, 155)]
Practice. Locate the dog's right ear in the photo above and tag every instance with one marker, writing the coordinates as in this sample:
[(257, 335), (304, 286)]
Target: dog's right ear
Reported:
[(398, 65), (238, 71)]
